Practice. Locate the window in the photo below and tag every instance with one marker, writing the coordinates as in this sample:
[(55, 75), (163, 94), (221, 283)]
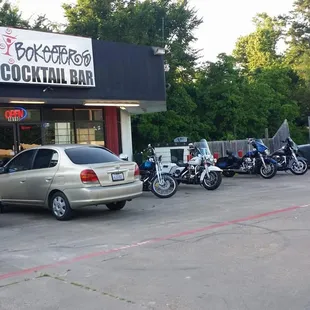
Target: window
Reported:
[(58, 114), (90, 155), (33, 115), (58, 133), (90, 133), (88, 115), (30, 135), (21, 162), (46, 159)]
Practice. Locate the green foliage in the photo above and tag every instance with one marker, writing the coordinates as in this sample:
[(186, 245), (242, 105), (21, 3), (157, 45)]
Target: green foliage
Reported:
[(10, 16), (258, 49)]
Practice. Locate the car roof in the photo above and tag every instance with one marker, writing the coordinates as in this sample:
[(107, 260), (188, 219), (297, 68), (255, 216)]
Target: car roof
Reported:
[(65, 146)]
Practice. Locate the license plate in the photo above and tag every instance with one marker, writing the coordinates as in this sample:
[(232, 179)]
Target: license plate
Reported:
[(117, 176)]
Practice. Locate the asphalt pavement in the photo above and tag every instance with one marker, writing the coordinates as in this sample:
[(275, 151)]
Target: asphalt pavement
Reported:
[(242, 246)]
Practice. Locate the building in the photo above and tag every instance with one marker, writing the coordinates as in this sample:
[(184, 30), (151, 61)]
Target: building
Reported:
[(57, 88)]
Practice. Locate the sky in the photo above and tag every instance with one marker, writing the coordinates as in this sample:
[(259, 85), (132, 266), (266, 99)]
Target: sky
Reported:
[(224, 20)]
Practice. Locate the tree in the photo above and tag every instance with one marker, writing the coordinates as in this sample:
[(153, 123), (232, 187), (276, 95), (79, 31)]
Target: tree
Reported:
[(219, 96), (297, 38), (259, 49), (11, 16), (298, 57), (165, 23), (42, 23)]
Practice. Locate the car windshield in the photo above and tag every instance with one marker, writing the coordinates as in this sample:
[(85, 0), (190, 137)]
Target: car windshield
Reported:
[(90, 155)]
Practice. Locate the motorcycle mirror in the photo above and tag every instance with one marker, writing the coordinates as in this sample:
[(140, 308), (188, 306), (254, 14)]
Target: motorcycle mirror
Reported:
[(149, 145)]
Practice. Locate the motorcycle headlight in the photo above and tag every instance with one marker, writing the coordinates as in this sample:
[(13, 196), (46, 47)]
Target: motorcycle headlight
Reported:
[(267, 152)]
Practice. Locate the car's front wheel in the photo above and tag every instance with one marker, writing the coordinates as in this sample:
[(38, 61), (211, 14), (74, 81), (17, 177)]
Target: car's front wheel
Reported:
[(116, 206), (60, 207)]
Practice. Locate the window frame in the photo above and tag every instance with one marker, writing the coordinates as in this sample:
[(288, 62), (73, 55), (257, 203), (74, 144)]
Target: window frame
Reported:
[(45, 149), (6, 167)]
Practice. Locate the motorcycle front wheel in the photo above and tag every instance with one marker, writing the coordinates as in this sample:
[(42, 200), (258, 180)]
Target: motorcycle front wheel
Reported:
[(165, 190), (213, 181), (268, 172), (299, 168)]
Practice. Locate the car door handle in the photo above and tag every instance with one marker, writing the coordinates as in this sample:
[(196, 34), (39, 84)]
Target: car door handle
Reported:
[(22, 181), (48, 179)]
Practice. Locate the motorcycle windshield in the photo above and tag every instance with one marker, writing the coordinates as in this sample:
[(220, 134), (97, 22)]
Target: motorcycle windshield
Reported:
[(260, 146), (293, 145), (203, 147)]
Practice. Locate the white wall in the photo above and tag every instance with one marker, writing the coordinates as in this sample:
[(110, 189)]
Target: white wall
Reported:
[(165, 152), (126, 134)]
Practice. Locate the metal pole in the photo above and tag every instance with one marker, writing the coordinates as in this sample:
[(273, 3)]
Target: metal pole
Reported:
[(267, 137)]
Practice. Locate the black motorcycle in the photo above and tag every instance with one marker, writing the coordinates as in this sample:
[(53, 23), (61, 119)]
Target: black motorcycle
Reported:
[(287, 158), (160, 184), (256, 161)]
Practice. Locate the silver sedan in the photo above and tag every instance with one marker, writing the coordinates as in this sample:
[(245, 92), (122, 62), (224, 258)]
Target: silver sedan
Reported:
[(67, 177)]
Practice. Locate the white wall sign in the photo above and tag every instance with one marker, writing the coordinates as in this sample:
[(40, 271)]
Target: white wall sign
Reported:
[(32, 57)]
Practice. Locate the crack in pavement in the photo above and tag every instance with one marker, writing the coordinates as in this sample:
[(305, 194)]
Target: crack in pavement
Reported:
[(73, 283), (88, 288)]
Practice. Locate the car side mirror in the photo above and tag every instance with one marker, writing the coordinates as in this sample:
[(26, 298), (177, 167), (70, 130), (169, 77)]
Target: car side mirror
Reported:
[(123, 157), (2, 170)]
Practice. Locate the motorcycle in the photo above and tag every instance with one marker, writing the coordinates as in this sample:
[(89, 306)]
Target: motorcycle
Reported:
[(288, 159), (163, 185), (256, 161), (200, 169)]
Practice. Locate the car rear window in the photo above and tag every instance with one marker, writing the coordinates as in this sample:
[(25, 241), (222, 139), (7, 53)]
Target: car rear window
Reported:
[(90, 155)]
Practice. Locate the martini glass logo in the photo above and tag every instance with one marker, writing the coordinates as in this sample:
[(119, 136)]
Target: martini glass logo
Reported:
[(8, 41)]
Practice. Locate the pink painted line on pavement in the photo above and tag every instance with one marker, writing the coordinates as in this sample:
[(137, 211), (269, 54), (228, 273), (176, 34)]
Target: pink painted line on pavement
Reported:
[(151, 241)]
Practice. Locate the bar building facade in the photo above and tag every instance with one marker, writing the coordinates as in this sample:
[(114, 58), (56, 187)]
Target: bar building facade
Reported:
[(59, 89)]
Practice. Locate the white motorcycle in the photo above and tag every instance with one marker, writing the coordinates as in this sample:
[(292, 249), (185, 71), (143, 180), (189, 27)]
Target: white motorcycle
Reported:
[(200, 169)]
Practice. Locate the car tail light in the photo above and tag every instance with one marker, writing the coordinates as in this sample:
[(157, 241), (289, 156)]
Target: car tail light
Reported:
[(137, 171), (89, 176)]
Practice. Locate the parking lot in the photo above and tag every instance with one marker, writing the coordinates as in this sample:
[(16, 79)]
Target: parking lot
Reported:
[(243, 246)]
